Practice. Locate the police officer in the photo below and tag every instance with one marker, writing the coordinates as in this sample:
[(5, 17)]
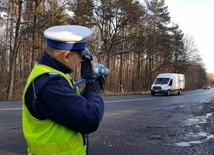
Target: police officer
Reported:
[(55, 116)]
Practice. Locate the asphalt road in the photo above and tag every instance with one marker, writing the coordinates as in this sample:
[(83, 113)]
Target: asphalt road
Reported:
[(135, 125)]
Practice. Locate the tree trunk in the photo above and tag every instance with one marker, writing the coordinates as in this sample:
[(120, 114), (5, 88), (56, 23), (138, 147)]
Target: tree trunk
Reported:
[(15, 51)]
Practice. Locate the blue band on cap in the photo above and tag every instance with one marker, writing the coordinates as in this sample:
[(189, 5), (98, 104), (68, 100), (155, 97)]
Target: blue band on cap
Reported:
[(66, 46)]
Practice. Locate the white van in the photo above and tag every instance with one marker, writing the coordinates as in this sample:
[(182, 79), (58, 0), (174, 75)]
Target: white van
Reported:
[(167, 83)]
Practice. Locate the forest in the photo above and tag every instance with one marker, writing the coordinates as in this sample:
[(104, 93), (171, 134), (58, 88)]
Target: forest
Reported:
[(136, 40)]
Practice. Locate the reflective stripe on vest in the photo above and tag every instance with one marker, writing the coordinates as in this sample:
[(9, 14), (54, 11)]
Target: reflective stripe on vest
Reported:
[(71, 145)]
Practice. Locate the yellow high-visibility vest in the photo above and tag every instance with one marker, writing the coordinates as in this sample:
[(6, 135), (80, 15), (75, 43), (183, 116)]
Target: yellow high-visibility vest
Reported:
[(45, 137)]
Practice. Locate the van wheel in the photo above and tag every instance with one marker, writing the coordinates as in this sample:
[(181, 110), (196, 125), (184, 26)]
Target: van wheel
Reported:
[(179, 92), (168, 93), (153, 94)]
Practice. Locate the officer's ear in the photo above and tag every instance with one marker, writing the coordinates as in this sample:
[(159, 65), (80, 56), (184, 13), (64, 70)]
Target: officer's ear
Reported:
[(65, 56)]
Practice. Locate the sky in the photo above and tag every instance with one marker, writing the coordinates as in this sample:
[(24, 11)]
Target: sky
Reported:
[(196, 18)]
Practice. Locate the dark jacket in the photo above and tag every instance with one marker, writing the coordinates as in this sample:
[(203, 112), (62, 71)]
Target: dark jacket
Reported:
[(59, 102)]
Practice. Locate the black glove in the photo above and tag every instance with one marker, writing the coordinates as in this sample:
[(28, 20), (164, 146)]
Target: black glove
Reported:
[(101, 82), (96, 86)]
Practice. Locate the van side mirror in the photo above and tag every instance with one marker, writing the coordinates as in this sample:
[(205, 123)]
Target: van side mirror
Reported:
[(170, 83)]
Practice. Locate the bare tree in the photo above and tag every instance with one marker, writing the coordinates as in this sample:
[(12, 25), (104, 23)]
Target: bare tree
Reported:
[(16, 13), (195, 74)]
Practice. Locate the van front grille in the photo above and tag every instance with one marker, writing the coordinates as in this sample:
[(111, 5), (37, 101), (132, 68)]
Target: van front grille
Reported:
[(157, 88)]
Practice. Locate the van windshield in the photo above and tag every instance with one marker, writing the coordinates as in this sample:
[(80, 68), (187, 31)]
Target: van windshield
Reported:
[(161, 81)]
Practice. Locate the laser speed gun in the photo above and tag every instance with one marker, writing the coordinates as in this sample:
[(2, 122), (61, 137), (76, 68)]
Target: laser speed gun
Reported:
[(91, 69)]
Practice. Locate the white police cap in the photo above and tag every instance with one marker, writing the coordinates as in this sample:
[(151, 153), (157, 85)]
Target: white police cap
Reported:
[(67, 37)]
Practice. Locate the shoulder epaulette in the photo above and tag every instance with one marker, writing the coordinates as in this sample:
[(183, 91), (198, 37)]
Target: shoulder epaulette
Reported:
[(54, 76)]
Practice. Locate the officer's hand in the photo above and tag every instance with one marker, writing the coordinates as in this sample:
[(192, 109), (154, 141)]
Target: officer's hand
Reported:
[(95, 87), (101, 81)]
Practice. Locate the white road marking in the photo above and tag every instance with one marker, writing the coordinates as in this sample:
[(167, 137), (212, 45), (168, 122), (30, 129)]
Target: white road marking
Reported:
[(9, 109), (140, 99)]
